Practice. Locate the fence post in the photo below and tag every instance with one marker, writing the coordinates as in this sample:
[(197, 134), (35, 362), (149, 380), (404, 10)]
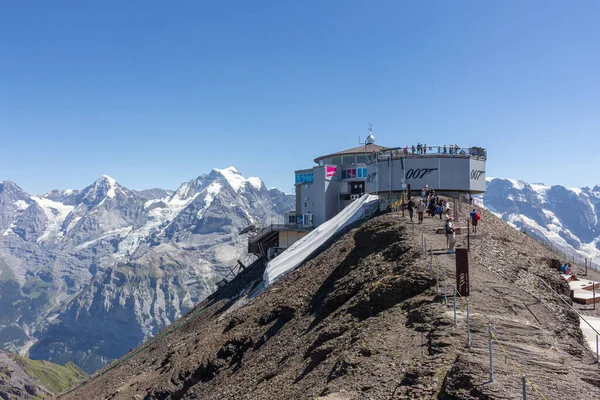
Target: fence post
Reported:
[(468, 326), (437, 279), (596, 348), (594, 291), (468, 235), (524, 387), (454, 303), (491, 359), (445, 288), (431, 251)]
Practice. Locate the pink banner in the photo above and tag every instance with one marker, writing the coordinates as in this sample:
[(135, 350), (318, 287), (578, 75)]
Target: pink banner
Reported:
[(330, 171)]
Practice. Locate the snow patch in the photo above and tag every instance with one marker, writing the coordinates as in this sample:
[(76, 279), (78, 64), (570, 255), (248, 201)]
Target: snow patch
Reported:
[(233, 177), (21, 205), (211, 192), (541, 191), (112, 185), (255, 182), (519, 185), (56, 213)]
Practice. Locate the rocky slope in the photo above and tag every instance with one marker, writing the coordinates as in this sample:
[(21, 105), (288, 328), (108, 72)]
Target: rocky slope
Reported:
[(22, 378), (85, 275), (363, 320), (568, 218)]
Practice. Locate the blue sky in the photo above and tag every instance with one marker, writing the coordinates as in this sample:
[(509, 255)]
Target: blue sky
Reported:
[(154, 93)]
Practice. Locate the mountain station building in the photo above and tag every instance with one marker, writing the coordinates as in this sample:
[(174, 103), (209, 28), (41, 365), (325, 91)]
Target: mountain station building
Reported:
[(337, 179)]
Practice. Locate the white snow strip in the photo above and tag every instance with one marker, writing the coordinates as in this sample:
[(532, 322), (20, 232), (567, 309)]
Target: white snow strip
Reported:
[(116, 232), (303, 248)]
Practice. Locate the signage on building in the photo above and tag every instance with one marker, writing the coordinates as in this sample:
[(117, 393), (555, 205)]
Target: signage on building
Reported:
[(462, 272), (330, 171)]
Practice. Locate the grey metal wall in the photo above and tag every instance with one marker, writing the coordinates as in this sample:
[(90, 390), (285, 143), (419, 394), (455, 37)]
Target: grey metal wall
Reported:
[(461, 174)]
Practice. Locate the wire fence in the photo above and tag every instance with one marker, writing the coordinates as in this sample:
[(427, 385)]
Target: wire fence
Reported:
[(568, 254), (470, 310), (493, 336)]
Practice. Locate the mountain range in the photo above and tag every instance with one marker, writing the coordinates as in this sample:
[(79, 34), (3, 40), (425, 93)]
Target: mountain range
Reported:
[(86, 275), (564, 217)]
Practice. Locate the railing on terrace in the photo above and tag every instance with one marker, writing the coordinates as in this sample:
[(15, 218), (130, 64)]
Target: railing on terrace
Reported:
[(428, 151), (278, 227)]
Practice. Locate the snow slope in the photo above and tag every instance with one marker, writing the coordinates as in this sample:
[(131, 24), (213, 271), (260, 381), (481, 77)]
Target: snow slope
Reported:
[(303, 248)]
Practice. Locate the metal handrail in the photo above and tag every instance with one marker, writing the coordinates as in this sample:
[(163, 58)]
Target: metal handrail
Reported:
[(571, 307), (404, 152)]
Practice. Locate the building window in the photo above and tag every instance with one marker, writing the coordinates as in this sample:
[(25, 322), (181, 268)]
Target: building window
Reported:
[(361, 159), (305, 204), (359, 172), (349, 160), (336, 160), (343, 174)]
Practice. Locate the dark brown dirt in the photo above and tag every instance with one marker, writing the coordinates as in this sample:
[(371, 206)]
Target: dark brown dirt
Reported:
[(362, 320)]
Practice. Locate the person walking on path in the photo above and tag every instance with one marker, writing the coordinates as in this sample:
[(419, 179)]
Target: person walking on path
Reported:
[(451, 235), (411, 207), (474, 219), (420, 210), (447, 227)]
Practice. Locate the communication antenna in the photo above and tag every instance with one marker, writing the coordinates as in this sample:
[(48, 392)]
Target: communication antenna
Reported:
[(370, 139)]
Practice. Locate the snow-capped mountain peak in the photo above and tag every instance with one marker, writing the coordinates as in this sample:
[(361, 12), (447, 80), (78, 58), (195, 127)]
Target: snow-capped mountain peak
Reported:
[(104, 187), (236, 180)]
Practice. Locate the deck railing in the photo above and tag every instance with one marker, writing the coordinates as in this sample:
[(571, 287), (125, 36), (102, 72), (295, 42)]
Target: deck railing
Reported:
[(427, 151)]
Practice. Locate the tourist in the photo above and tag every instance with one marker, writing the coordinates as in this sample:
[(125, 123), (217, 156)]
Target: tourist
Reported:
[(570, 272), (420, 210), (448, 229), (413, 149), (451, 239), (425, 149), (445, 151), (411, 207), (440, 209), (474, 219)]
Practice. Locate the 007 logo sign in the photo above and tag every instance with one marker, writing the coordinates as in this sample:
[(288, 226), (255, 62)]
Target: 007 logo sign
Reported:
[(476, 174), (419, 173)]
